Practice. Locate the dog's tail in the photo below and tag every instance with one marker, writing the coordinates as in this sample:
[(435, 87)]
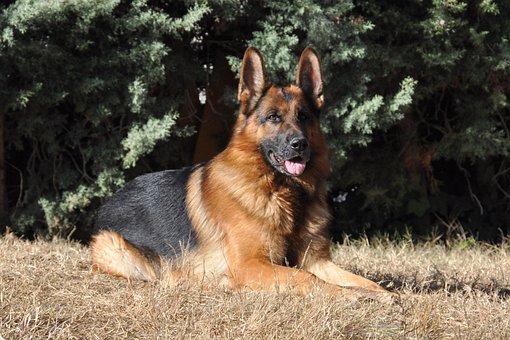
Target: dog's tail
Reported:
[(113, 254)]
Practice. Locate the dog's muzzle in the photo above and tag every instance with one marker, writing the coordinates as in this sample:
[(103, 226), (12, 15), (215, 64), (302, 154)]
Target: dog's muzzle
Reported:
[(291, 158)]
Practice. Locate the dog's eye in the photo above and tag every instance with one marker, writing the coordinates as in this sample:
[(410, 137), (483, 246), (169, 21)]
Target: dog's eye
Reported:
[(274, 117)]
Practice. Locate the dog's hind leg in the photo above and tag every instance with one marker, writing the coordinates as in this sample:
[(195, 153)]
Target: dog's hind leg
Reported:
[(112, 254)]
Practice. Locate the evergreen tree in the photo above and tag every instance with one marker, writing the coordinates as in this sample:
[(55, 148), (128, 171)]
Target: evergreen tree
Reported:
[(87, 88), (445, 165), (95, 93)]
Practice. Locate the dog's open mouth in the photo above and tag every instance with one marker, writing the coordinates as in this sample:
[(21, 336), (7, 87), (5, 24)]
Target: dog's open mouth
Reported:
[(294, 166)]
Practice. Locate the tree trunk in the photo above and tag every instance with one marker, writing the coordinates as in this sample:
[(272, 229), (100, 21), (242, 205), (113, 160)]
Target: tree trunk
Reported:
[(218, 118), (3, 191)]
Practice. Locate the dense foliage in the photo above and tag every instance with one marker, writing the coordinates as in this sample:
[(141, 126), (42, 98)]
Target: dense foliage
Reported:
[(446, 164), (94, 93)]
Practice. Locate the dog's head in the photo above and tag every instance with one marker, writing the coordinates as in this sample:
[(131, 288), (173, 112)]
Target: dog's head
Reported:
[(283, 120)]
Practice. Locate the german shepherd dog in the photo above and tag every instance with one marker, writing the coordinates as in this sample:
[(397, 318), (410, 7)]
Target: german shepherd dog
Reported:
[(255, 215)]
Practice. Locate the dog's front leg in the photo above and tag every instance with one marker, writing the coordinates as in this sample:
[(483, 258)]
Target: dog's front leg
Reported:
[(326, 270), (262, 275)]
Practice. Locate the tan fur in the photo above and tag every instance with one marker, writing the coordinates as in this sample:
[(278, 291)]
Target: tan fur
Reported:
[(249, 219)]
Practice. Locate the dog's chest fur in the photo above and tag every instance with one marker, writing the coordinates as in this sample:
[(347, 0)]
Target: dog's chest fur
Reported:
[(276, 209)]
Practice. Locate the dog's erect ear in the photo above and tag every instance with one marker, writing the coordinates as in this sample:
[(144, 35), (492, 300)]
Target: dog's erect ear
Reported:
[(252, 82), (309, 76)]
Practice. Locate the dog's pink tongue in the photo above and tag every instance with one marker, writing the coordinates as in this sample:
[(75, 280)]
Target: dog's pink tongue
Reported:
[(295, 168)]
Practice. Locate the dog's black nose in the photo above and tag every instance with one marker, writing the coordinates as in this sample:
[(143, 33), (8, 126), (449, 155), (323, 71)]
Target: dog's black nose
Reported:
[(299, 143)]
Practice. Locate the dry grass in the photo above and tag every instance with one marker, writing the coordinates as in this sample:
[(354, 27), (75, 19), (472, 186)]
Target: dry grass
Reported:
[(48, 291)]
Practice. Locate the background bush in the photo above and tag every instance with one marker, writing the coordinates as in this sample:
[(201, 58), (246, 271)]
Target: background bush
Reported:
[(93, 93)]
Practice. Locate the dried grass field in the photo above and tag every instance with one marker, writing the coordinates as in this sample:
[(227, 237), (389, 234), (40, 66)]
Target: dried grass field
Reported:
[(47, 290)]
